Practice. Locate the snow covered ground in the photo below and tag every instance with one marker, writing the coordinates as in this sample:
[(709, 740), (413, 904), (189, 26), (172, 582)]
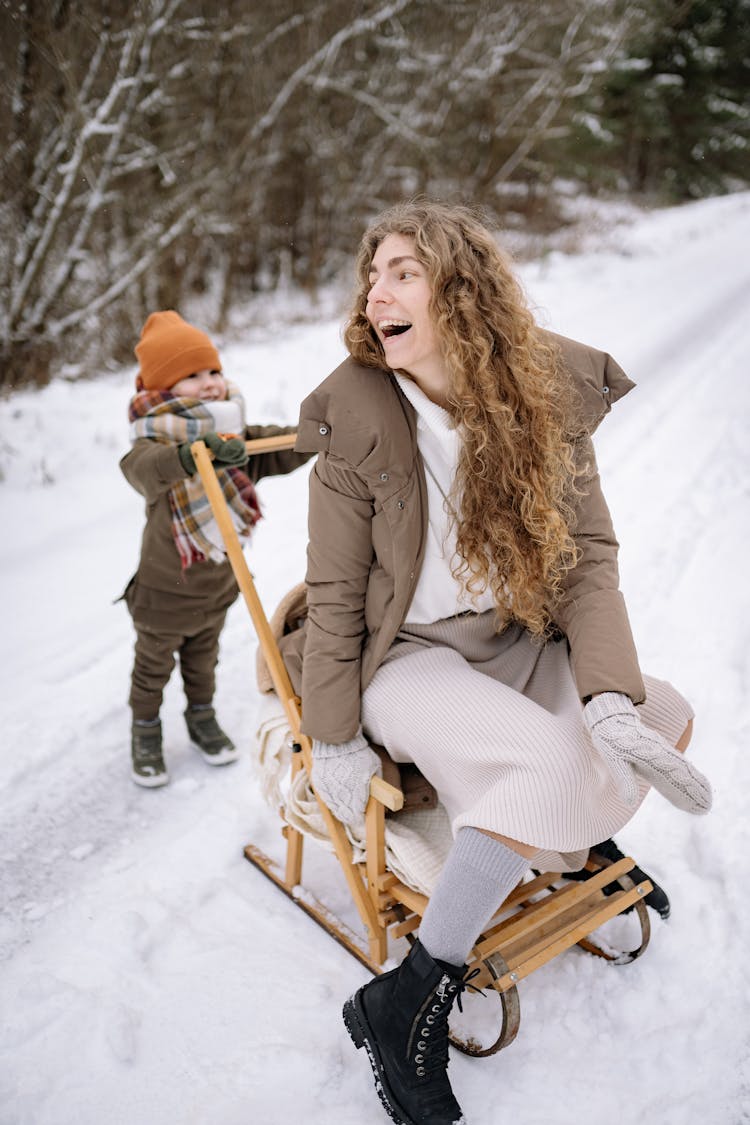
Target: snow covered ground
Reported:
[(150, 976)]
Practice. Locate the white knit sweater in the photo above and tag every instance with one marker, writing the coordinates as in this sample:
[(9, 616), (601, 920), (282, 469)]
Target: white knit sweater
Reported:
[(438, 594)]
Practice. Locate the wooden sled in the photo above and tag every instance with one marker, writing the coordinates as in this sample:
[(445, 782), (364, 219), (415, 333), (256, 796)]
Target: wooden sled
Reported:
[(540, 918)]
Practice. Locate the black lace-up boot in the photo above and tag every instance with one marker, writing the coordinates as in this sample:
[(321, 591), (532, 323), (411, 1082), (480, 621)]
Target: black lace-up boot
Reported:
[(656, 899), (401, 1018)]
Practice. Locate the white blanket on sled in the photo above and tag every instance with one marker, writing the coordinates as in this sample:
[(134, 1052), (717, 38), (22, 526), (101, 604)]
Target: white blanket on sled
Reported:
[(416, 841)]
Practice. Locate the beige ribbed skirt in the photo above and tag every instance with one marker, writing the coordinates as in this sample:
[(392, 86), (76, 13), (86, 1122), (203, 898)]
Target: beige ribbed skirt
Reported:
[(495, 723)]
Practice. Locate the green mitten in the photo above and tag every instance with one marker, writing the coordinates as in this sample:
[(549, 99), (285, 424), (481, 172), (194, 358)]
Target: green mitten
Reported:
[(228, 452)]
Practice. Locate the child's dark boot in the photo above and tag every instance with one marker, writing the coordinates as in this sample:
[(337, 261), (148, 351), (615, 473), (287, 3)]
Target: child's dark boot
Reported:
[(207, 736), (401, 1018), (146, 751)]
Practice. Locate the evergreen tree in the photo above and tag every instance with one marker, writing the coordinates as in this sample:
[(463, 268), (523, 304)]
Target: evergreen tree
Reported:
[(673, 116)]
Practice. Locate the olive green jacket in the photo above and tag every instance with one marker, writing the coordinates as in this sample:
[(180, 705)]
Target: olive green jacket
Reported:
[(161, 593), (367, 531)]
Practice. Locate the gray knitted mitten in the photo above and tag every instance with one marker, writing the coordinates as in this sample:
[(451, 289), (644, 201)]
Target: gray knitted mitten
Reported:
[(629, 747), (341, 776)]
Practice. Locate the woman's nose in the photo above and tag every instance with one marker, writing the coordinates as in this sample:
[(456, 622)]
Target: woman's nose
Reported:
[(378, 291)]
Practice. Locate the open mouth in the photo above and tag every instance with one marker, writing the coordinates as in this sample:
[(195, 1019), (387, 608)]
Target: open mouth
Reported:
[(391, 328)]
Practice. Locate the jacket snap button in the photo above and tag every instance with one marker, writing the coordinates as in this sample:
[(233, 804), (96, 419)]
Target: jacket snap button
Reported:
[(384, 476), (400, 504), (323, 430), (605, 390)]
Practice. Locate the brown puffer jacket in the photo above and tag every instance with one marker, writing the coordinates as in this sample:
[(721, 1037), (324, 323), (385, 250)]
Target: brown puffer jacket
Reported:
[(367, 525)]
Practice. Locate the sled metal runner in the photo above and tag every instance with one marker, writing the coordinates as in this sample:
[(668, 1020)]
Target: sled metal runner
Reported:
[(539, 919)]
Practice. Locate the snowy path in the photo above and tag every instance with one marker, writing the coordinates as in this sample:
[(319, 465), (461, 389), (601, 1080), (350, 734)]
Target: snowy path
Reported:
[(150, 976)]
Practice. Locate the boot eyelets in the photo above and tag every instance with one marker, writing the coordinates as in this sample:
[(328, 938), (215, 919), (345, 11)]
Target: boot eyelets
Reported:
[(430, 1020), (421, 1045), (421, 1071), (425, 1032), (436, 1008), (419, 1058)]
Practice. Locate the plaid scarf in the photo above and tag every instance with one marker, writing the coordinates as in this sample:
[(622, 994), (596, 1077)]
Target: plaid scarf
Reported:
[(165, 418)]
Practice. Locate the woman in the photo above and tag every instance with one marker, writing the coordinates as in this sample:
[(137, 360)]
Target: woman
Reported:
[(464, 609)]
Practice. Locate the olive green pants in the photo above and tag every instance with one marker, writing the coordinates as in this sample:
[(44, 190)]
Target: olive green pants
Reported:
[(194, 639)]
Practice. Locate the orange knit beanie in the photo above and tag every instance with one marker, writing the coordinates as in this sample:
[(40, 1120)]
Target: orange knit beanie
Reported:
[(170, 349)]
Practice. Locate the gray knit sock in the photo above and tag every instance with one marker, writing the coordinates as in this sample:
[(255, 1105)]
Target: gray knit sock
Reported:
[(478, 875)]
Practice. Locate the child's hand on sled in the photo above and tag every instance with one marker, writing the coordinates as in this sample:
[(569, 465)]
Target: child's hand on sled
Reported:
[(228, 452), (341, 776), (632, 750)]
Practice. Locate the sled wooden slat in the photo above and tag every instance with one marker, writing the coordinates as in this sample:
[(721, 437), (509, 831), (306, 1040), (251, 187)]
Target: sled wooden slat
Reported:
[(410, 898), (524, 892), (294, 847), (270, 444), (408, 926), (562, 919), (549, 908), (539, 919), (524, 956), (374, 870)]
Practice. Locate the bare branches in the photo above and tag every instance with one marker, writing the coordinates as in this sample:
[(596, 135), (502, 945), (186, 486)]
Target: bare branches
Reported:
[(158, 145), (322, 59), (157, 239)]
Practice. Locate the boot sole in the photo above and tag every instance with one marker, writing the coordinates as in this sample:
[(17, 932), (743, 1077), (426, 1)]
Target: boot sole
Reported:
[(150, 782), (223, 758), (361, 1035)]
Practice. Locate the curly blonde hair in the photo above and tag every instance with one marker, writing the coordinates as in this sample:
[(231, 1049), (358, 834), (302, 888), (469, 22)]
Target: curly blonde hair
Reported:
[(512, 403)]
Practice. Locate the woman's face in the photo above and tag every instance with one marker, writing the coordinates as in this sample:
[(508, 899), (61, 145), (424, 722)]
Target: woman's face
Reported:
[(398, 309)]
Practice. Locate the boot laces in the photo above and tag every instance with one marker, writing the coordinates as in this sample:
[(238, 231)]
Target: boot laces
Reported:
[(430, 1051)]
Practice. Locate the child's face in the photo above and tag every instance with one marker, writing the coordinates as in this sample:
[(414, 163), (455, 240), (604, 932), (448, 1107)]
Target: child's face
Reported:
[(207, 385)]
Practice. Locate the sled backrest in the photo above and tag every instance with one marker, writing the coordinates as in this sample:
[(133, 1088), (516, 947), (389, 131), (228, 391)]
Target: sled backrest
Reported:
[(382, 794)]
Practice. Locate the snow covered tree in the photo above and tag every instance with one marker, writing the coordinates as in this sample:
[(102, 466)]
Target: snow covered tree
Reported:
[(158, 149), (81, 152), (672, 119)]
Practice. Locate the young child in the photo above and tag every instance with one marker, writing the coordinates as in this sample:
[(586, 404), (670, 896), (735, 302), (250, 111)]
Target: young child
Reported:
[(179, 596)]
